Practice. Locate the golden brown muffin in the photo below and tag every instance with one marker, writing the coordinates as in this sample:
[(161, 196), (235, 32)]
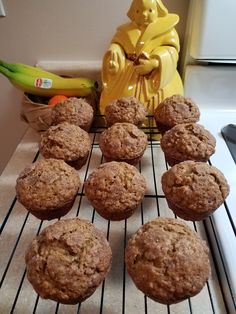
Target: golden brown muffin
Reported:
[(48, 188), (125, 109), (175, 110), (189, 141), (115, 189), (123, 142), (194, 190), (67, 142), (167, 260), (75, 111), (68, 261)]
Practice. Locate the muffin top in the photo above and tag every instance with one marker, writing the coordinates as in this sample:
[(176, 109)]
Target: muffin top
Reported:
[(73, 110), (175, 110), (46, 184), (123, 141), (125, 109), (188, 141), (68, 260), (196, 186), (167, 260), (115, 186), (65, 141)]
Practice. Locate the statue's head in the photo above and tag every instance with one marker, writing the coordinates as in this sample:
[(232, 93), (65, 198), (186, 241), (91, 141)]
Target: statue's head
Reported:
[(144, 12)]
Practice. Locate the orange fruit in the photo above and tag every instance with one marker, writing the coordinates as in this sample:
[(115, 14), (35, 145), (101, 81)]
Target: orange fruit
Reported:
[(55, 99)]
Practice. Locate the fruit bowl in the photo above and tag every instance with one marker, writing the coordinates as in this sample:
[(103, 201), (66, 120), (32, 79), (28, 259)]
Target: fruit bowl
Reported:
[(36, 112)]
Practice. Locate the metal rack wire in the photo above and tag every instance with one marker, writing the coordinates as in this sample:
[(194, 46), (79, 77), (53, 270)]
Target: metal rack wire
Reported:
[(117, 294)]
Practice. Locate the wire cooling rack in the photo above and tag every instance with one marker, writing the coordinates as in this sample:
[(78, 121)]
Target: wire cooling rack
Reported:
[(117, 294)]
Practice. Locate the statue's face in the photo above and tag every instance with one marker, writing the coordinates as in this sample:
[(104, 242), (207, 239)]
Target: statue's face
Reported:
[(145, 12)]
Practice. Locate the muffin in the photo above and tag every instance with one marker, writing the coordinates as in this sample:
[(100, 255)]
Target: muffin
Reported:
[(68, 261), (125, 109), (175, 110), (67, 142), (123, 142), (115, 189), (47, 188), (189, 141), (75, 111), (194, 190), (167, 260)]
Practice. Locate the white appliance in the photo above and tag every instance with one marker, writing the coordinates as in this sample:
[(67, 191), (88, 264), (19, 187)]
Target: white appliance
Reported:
[(213, 26), (211, 82)]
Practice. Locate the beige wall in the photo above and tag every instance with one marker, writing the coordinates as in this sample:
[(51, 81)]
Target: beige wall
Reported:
[(60, 30)]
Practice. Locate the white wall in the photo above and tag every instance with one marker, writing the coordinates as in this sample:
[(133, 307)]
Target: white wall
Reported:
[(74, 30)]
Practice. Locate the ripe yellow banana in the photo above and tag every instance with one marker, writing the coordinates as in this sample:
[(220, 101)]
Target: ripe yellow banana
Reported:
[(39, 82)]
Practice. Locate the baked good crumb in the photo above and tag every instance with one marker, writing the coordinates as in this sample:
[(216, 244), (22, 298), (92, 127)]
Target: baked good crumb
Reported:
[(75, 111), (123, 142), (68, 260), (167, 260), (115, 189), (67, 142), (48, 188), (194, 190), (188, 141), (125, 109), (176, 109)]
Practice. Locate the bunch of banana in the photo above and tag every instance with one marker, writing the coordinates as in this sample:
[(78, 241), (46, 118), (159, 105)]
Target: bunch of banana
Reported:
[(34, 80)]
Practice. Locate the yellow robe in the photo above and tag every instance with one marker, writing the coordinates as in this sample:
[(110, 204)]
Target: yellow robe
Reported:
[(159, 41)]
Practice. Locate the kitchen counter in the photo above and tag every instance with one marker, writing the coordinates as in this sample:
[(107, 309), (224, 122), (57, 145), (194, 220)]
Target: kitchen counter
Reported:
[(117, 294)]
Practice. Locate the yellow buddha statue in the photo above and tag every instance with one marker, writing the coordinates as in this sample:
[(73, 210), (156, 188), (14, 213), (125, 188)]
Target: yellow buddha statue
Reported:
[(141, 60)]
